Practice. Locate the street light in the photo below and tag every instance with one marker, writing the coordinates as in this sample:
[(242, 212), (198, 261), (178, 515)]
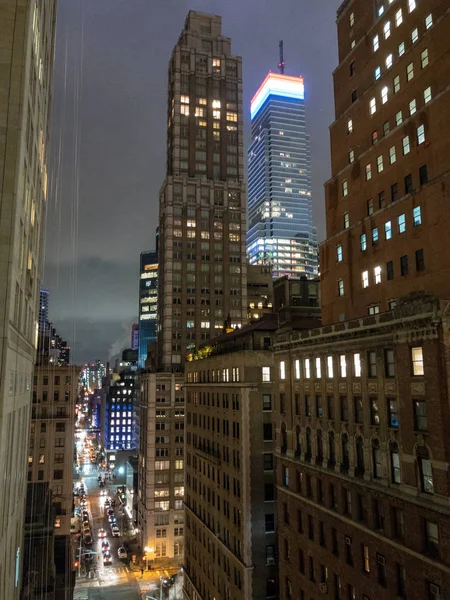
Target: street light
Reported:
[(147, 552)]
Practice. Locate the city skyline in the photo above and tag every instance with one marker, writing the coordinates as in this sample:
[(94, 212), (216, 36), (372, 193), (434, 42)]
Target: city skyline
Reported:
[(100, 264)]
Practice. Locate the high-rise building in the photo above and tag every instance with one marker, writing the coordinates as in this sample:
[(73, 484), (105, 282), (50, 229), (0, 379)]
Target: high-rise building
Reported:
[(43, 310), (135, 336), (26, 67), (280, 229), (202, 269), (363, 486), (148, 303)]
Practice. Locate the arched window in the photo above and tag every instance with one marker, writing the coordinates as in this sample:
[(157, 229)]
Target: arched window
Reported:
[(298, 445), (376, 459), (345, 462), (331, 449), (308, 453), (359, 469), (395, 463), (283, 438), (425, 470), (319, 449)]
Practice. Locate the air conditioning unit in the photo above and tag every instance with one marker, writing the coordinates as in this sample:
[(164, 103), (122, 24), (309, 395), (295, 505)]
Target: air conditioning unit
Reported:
[(348, 540), (323, 587), (381, 560), (270, 560)]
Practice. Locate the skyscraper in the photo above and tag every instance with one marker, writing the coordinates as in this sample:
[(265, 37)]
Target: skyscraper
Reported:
[(148, 303), (26, 66), (362, 458), (280, 229), (202, 272), (43, 311)]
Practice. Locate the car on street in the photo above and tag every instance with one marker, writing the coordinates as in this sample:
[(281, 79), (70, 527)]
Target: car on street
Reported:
[(103, 492), (83, 503), (86, 523), (112, 519), (105, 546), (101, 533), (107, 558), (88, 539), (122, 553), (85, 515), (115, 531), (107, 503)]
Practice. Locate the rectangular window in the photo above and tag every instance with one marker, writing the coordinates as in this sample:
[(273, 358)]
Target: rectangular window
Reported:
[(343, 365), (370, 207), (417, 360), (420, 260), (373, 106), (432, 538), (282, 369), (390, 270), (424, 58), (401, 219), (377, 73), (411, 5), (374, 412), (374, 236), (384, 95), (398, 118), (266, 374), (408, 184), (363, 240), (365, 279), (357, 364), (267, 402), (420, 415), (345, 188), (340, 287), (330, 367), (372, 363), (392, 155), (318, 368), (389, 61), (427, 95), (307, 368), (375, 43), (389, 362), (351, 156), (412, 107), (346, 220), (392, 412), (379, 164), (421, 134), (394, 192), (297, 369), (387, 29), (377, 275), (401, 49), (406, 146), (410, 71), (339, 256), (368, 172), (398, 17), (429, 21), (366, 561), (417, 217), (404, 265), (388, 230), (396, 84), (349, 126)]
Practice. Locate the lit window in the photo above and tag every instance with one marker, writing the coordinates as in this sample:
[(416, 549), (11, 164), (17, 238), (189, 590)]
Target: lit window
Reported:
[(401, 223), (329, 366), (377, 73), (318, 368), (384, 95), (184, 99), (349, 126), (417, 216), (232, 116), (185, 109), (346, 220), (374, 310), (376, 43), (412, 107), (363, 242), (380, 10), (388, 61), (216, 114), (414, 35), (427, 95), (392, 155), (357, 364), (345, 188), (199, 111), (216, 63), (421, 134), (411, 5), (424, 58), (353, 44), (374, 235), (398, 17), (401, 49), (297, 369), (202, 123), (406, 146), (339, 253), (343, 365), (307, 368), (282, 370), (377, 274), (388, 230), (351, 156), (379, 164), (417, 360), (409, 72), (365, 279), (368, 172), (396, 84), (202, 101), (340, 287), (399, 118), (216, 103), (387, 29), (205, 324), (266, 374), (373, 106), (429, 21), (351, 19)]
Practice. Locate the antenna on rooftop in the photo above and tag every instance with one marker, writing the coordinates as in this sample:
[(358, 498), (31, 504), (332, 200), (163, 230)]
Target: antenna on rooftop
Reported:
[(281, 63)]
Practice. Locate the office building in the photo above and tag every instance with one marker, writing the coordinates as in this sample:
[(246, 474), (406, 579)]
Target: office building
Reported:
[(259, 291), (26, 59), (280, 229), (148, 303), (202, 268), (361, 446), (135, 336), (43, 311)]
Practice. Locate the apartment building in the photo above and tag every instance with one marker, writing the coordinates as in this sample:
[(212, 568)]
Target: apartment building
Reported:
[(387, 200), (26, 66), (361, 413)]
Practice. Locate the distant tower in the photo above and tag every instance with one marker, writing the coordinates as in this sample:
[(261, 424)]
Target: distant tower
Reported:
[(281, 64), (43, 311)]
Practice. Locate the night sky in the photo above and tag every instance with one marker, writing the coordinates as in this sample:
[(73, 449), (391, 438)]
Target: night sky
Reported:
[(108, 140)]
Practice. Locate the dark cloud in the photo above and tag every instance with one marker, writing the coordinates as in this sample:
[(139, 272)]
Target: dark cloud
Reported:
[(109, 135)]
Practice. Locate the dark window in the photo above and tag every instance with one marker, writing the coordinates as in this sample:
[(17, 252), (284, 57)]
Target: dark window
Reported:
[(376, 459), (268, 462), (267, 402), (286, 518), (352, 68), (389, 362), (319, 408), (308, 486), (332, 496), (370, 207), (360, 510), (392, 412), (322, 539), (381, 570), (395, 463), (420, 415), (298, 446), (403, 265), (374, 137), (301, 561), (40, 475), (354, 96), (372, 363), (381, 199), (408, 184), (345, 464), (420, 260), (269, 492), (312, 576), (378, 515), (307, 405), (394, 192), (344, 408), (297, 404), (267, 432), (319, 448), (319, 491), (331, 450), (330, 407), (358, 405), (43, 427), (282, 404), (401, 580), (398, 525), (423, 175), (334, 541), (431, 538), (359, 467), (425, 470), (390, 270), (310, 527), (299, 521), (270, 522), (348, 553), (386, 128), (308, 452)]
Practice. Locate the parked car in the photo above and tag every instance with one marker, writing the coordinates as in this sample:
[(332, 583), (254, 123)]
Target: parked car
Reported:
[(122, 553)]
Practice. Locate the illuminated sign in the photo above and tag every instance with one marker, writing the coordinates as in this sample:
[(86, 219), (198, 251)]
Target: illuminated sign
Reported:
[(276, 84), (150, 267)]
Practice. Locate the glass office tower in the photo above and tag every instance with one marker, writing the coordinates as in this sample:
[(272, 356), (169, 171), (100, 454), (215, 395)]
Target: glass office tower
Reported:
[(281, 230), (148, 303)]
